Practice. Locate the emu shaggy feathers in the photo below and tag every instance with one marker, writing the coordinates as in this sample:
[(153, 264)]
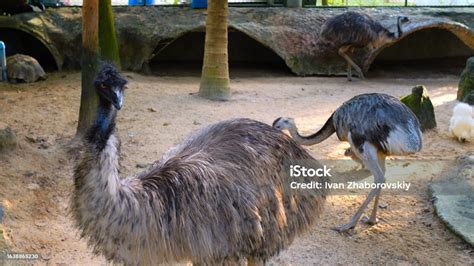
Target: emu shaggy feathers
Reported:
[(219, 196)]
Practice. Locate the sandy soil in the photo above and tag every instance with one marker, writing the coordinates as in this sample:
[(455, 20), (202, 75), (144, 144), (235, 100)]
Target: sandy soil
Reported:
[(36, 178)]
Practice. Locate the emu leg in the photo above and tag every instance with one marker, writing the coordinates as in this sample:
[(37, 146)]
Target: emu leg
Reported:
[(369, 157), (343, 52)]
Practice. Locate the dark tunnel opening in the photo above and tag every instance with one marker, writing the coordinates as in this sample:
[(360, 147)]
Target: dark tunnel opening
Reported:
[(19, 42), (430, 52), (247, 57)]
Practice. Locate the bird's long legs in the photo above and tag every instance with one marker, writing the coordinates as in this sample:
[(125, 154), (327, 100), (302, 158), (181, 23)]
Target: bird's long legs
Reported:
[(373, 216), (369, 156), (343, 52)]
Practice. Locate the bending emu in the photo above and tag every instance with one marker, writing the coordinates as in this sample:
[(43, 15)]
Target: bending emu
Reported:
[(352, 30), (218, 197), (375, 125)]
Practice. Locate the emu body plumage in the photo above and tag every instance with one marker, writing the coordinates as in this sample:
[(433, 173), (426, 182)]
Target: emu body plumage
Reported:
[(219, 196), (375, 125)]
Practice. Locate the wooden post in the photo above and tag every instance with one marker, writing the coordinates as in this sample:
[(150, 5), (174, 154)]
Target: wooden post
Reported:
[(90, 54)]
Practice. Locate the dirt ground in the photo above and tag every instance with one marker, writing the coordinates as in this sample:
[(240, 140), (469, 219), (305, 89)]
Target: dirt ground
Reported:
[(36, 178)]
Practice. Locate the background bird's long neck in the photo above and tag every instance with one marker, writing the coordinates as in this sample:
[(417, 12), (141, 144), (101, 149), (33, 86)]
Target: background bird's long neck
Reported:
[(303, 140), (325, 132)]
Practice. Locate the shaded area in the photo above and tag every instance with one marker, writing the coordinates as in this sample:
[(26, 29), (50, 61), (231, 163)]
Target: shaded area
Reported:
[(184, 56), (19, 42), (429, 52)]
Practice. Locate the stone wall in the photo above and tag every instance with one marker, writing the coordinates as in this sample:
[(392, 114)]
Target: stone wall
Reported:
[(293, 34)]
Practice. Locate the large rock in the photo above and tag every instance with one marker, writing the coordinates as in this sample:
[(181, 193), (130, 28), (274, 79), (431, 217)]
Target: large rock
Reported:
[(466, 83), (7, 137), (453, 197), (419, 102), (24, 68)]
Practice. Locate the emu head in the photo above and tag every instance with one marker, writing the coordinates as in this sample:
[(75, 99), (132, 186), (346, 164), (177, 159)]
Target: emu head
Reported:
[(110, 85), (283, 123)]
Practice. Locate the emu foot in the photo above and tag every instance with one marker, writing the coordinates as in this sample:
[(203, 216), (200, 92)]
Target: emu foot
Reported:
[(369, 220)]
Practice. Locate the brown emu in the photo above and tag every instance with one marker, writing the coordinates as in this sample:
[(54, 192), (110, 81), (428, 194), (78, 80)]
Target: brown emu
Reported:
[(375, 125), (221, 196), (352, 30)]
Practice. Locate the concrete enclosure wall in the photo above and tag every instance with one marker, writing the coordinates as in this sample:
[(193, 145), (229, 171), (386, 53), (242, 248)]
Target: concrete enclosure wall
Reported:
[(258, 35)]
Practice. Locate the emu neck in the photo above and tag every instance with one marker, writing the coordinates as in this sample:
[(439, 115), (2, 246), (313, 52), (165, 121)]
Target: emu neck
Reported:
[(104, 125), (97, 172)]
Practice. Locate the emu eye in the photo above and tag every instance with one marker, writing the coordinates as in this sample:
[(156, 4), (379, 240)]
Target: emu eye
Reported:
[(102, 86)]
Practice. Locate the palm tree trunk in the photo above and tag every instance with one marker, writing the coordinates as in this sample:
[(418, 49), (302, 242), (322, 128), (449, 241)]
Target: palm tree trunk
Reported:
[(215, 70), (90, 54), (109, 50)]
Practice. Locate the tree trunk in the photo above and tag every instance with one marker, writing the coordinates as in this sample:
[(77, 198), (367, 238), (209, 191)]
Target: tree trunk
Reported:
[(215, 70), (90, 53), (109, 50)]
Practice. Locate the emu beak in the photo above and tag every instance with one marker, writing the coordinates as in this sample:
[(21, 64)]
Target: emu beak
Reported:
[(118, 98)]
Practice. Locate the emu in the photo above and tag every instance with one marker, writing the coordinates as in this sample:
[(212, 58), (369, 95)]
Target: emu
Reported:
[(219, 197), (375, 125), (352, 30)]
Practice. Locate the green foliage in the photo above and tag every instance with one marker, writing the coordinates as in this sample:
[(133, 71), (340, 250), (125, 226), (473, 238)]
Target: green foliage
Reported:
[(109, 50)]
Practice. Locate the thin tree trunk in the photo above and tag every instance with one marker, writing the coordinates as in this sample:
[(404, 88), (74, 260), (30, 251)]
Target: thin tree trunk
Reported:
[(215, 83), (109, 49), (90, 53)]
